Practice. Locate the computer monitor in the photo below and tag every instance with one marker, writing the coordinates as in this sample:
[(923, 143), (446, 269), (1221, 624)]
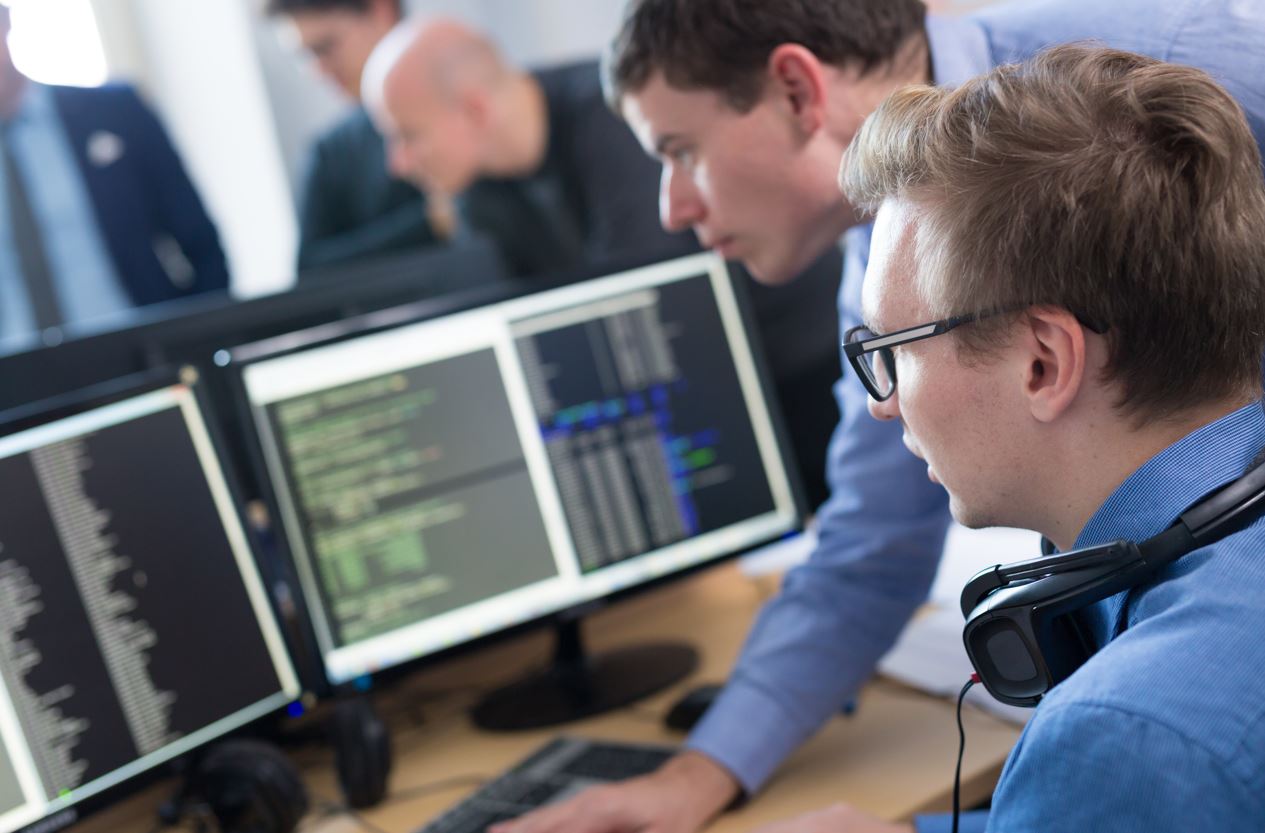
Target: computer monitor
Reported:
[(134, 627), (448, 479)]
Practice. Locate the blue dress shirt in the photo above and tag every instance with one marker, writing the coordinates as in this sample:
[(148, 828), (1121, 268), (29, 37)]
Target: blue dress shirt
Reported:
[(84, 278), (1164, 727), (882, 530)]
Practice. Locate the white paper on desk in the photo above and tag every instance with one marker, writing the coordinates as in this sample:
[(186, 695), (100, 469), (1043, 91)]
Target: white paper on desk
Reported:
[(966, 552), (929, 656)]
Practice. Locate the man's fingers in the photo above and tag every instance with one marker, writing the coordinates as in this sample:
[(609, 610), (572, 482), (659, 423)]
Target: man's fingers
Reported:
[(577, 815)]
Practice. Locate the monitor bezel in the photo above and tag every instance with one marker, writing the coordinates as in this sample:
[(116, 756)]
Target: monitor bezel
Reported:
[(320, 683), (191, 329), (104, 394)]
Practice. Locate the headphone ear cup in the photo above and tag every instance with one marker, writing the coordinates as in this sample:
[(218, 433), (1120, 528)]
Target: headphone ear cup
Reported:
[(250, 787), (362, 748)]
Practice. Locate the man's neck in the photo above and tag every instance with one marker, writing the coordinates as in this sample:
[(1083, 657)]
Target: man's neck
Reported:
[(855, 94), (522, 139), (1094, 464), (860, 91)]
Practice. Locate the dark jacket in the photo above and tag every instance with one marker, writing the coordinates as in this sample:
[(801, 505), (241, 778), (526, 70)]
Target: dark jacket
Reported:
[(150, 216), (351, 207), (595, 196)]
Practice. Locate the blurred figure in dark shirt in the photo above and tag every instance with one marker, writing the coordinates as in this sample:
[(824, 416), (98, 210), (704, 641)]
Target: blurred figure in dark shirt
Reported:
[(535, 160), (350, 206)]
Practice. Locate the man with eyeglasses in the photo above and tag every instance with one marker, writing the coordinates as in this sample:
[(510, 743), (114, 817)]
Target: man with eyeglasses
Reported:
[(749, 105), (873, 356), (1087, 185)]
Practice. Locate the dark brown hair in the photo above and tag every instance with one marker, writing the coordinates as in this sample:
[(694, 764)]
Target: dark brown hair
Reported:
[(724, 45), (1126, 190)]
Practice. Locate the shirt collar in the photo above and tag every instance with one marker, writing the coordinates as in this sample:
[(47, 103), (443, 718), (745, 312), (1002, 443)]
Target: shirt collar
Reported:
[(1154, 496), (959, 49)]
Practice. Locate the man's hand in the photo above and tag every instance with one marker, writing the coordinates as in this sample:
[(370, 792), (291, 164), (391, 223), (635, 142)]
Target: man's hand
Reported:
[(839, 818), (680, 797)]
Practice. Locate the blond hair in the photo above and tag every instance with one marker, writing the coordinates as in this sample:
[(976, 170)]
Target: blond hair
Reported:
[(1123, 189)]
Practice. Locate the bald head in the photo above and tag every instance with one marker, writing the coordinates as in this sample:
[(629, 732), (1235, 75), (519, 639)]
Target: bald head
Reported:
[(433, 55), (437, 90)]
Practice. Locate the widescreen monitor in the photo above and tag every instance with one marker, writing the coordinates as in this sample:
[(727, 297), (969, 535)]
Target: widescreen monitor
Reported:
[(448, 479), (134, 626)]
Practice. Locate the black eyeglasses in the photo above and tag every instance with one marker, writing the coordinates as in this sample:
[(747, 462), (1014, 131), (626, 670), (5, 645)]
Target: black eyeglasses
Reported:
[(871, 355)]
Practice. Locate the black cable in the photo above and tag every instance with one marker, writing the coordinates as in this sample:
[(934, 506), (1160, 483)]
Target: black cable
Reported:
[(957, 773)]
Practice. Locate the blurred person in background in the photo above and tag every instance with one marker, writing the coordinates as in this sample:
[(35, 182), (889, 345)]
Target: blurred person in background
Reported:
[(350, 206), (97, 213), (534, 160)]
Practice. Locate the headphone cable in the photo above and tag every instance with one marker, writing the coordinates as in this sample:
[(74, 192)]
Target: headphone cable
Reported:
[(957, 773)]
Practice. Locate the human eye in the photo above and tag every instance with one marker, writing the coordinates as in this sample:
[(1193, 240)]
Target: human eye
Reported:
[(683, 157), (678, 154), (323, 48)]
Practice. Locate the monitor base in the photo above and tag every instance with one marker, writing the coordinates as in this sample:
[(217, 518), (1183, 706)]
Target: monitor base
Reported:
[(578, 686)]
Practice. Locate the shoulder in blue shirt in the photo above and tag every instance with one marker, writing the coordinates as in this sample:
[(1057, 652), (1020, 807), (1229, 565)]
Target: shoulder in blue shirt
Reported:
[(1164, 728)]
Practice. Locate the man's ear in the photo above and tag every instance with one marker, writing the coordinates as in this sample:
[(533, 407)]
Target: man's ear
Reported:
[(795, 74), (1056, 361)]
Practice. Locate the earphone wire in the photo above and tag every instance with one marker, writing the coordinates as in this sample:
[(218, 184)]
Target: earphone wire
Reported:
[(957, 773)]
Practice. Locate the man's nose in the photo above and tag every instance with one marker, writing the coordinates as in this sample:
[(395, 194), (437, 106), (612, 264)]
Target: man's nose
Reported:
[(679, 204), (888, 409)]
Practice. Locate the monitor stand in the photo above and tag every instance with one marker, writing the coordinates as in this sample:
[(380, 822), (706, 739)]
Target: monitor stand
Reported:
[(578, 685)]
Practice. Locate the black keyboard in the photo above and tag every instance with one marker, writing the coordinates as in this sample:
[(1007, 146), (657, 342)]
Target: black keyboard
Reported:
[(558, 770)]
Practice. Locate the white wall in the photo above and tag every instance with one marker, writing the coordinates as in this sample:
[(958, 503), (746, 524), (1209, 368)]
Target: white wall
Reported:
[(303, 104), (543, 32)]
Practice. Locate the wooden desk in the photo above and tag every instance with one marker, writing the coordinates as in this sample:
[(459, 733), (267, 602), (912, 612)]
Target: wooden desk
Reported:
[(893, 758)]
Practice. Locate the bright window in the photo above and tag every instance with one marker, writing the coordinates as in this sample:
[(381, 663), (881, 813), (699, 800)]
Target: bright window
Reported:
[(57, 42)]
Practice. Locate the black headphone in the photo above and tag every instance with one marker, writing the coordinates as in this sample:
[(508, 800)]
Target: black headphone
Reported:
[(1020, 634), (242, 786), (362, 749)]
